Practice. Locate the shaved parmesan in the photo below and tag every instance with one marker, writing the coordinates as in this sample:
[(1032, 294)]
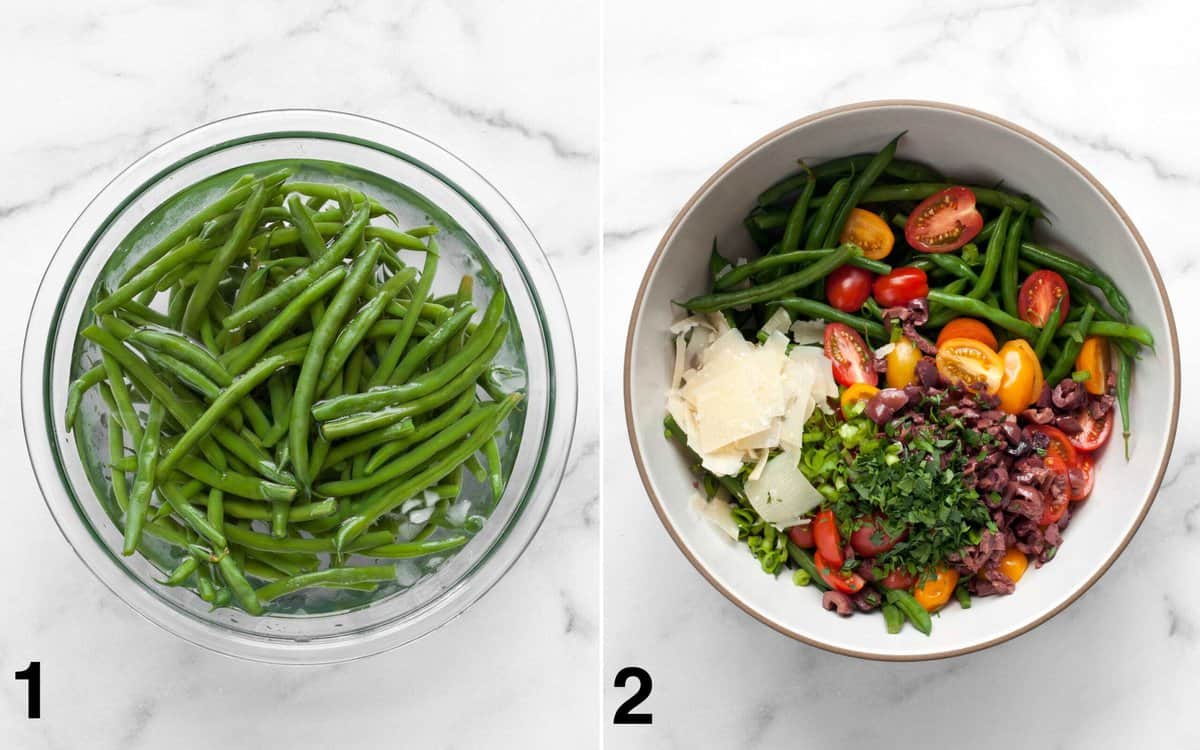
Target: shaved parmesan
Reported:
[(717, 511), (779, 322), (808, 332), (782, 495)]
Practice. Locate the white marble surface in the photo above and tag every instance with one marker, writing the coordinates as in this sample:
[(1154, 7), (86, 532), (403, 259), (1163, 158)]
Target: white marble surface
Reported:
[(688, 85), (89, 87)]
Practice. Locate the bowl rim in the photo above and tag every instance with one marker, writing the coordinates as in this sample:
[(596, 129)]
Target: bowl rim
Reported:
[(655, 259)]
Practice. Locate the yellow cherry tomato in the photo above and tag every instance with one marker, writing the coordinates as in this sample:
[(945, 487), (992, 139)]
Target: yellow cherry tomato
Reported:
[(858, 392), (902, 363), (870, 232), (1022, 381), (1094, 359), (1013, 564), (971, 363), (937, 589)]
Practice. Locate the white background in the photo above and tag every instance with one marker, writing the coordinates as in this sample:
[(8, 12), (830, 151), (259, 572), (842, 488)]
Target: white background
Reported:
[(690, 84), (511, 89)]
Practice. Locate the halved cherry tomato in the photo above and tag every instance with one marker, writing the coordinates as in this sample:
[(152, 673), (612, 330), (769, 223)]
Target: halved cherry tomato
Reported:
[(848, 287), (1055, 508), (1080, 490), (1060, 445), (970, 363), (870, 232), (1013, 564), (967, 328), (1094, 359), (944, 221), (870, 539), (859, 392), (1022, 373), (901, 286), (827, 538), (1039, 294), (1095, 432), (850, 356), (902, 363), (935, 591), (802, 536), (847, 583)]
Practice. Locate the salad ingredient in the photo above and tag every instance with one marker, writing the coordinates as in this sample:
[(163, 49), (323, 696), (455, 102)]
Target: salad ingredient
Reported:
[(802, 536), (970, 363), (847, 582), (870, 232), (911, 608), (992, 257), (1124, 383), (967, 328), (1058, 445), (902, 363), (944, 221), (901, 286), (828, 540), (781, 494), (774, 289), (1040, 293), (1082, 477), (795, 222), (935, 590), (848, 287), (850, 356), (1013, 564), (977, 309), (1093, 431), (861, 182), (1022, 381), (855, 397), (1056, 506), (1010, 264), (1094, 358), (871, 538)]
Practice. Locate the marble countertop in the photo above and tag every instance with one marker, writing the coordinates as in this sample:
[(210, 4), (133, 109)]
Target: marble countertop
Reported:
[(98, 85), (687, 86)]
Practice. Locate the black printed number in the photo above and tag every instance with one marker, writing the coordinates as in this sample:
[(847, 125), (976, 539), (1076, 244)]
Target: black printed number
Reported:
[(625, 714), (33, 675)]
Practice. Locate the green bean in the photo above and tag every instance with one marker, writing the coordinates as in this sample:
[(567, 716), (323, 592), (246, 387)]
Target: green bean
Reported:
[(396, 238), (402, 550), (335, 576), (80, 386), (356, 329), (181, 572), (1066, 360), (1110, 329), (144, 479), (976, 309), (328, 192), (805, 562), (142, 315), (255, 541), (1048, 331), (491, 452), (1008, 264), (422, 351), (235, 483), (865, 179), (795, 222), (921, 190), (825, 213), (777, 288), (963, 596), (207, 285), (820, 311), (177, 258), (191, 515), (183, 349), (1124, 384), (746, 270), (898, 168), (296, 513), (1046, 258), (397, 438), (910, 607), (893, 618), (952, 264), (995, 253), (238, 584), (395, 348)]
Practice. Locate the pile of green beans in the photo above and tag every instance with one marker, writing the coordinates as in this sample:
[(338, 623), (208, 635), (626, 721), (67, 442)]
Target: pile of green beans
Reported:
[(288, 404)]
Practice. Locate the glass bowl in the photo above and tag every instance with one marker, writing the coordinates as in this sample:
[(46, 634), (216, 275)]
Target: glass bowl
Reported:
[(422, 183)]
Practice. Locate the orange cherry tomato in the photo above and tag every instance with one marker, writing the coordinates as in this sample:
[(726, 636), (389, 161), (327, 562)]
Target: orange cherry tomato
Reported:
[(1060, 445), (854, 394), (935, 591), (847, 583), (1022, 374), (1080, 490), (1013, 564), (970, 363), (1055, 508), (827, 538), (902, 363), (1094, 359), (967, 328), (870, 232)]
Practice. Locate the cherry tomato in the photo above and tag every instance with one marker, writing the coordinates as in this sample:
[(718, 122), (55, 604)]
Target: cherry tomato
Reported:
[(857, 393), (1055, 507), (1094, 359), (850, 356), (1013, 564), (1081, 490), (970, 363), (1022, 373), (848, 287), (1095, 432), (936, 590), (944, 221), (847, 583), (1039, 294), (802, 536), (870, 232), (902, 363), (899, 579), (827, 538), (870, 539), (967, 328), (1060, 445), (901, 286)]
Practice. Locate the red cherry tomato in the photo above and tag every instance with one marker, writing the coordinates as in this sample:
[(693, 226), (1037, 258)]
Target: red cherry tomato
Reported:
[(850, 356), (1055, 507), (1095, 432), (944, 221), (847, 583), (899, 579), (1039, 294), (802, 536), (1080, 490), (901, 286), (826, 537), (870, 539), (848, 287), (1060, 445)]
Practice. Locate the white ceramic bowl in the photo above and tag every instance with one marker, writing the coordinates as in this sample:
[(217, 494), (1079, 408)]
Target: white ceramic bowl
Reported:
[(972, 146)]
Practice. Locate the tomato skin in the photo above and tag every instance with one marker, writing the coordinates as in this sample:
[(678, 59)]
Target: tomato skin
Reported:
[(944, 221), (1081, 490), (1055, 510), (936, 590), (1060, 446), (854, 394), (1013, 564), (1039, 294), (1095, 359), (802, 536), (967, 328), (970, 363), (1095, 433), (902, 363), (1022, 382), (848, 287), (864, 540), (901, 286), (899, 579), (850, 356), (828, 540), (847, 583), (870, 232)]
